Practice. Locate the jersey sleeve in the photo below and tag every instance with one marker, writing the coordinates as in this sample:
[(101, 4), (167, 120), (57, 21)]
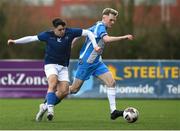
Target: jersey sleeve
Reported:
[(43, 36), (101, 31), (76, 32)]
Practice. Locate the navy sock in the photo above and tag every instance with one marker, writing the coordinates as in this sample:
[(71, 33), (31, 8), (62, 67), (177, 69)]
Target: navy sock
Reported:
[(52, 99), (57, 101)]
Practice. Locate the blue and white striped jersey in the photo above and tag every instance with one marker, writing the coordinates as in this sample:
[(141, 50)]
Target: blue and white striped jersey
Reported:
[(87, 54)]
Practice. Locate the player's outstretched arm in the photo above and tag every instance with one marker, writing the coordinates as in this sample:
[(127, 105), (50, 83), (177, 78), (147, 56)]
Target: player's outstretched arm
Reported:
[(108, 39), (92, 38), (23, 40)]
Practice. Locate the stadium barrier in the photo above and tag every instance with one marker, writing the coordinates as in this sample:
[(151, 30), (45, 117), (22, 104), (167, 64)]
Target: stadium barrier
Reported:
[(134, 79)]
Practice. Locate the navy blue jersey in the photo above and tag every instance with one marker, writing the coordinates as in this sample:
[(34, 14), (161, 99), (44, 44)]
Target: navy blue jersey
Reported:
[(58, 49)]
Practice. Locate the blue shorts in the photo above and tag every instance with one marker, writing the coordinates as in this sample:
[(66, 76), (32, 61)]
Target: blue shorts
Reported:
[(84, 72)]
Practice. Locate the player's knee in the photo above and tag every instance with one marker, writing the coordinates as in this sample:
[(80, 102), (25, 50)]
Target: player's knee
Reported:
[(62, 94), (62, 91), (66, 92)]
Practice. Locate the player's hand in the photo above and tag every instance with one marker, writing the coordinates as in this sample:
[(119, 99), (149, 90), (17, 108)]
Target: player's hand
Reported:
[(129, 37), (98, 49), (11, 42)]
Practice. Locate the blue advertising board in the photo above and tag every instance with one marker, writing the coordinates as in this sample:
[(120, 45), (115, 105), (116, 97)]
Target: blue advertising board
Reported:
[(134, 79)]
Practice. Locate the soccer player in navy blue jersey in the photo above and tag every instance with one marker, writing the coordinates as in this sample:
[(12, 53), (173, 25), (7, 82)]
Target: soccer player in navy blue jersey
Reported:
[(90, 61), (58, 49)]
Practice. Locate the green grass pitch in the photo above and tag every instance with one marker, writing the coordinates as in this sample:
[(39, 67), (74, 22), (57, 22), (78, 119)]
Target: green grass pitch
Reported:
[(89, 114)]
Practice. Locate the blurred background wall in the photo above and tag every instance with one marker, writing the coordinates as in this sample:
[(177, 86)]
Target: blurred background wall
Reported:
[(154, 23)]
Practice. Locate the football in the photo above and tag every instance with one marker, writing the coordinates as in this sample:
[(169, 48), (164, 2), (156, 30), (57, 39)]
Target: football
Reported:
[(130, 114)]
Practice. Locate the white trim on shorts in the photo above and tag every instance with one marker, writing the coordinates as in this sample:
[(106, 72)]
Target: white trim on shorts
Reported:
[(59, 70)]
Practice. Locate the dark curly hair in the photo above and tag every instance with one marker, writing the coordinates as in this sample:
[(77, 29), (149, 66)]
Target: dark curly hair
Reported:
[(57, 21)]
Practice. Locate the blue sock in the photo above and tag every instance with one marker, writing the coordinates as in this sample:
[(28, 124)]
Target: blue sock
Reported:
[(57, 101), (52, 99)]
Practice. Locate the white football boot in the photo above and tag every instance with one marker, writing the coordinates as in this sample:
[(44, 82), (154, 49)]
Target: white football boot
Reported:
[(40, 114)]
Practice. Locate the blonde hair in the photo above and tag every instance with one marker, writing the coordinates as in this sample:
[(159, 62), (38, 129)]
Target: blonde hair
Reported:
[(108, 11)]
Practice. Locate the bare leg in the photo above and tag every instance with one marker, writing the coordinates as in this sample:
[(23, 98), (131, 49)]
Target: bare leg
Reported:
[(62, 89), (52, 83), (107, 78), (49, 105), (51, 96), (75, 87)]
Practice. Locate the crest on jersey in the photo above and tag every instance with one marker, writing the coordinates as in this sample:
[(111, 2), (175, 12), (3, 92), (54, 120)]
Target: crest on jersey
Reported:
[(58, 39)]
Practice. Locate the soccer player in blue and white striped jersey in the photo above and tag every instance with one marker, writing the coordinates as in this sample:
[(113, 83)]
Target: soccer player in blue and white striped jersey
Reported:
[(90, 61), (58, 49)]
